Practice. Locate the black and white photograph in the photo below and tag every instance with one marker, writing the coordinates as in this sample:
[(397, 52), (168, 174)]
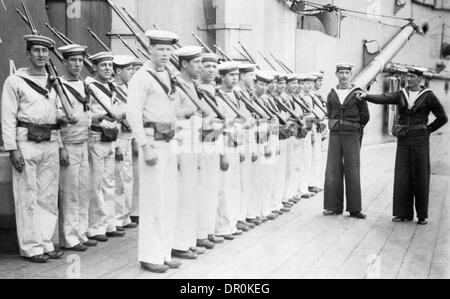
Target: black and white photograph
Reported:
[(231, 140)]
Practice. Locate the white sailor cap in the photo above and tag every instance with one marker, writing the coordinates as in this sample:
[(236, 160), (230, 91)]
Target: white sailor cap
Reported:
[(419, 71), (123, 61), (281, 77), (291, 77), (306, 78), (210, 57), (247, 68), (309, 78), (228, 67), (138, 62), (344, 66), (72, 50), (101, 56), (161, 37), (39, 40), (189, 52), (319, 75), (266, 77)]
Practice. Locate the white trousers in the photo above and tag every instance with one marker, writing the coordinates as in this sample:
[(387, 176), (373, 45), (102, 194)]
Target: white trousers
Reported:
[(295, 168), (74, 197), (209, 175), (317, 167), (136, 182), (280, 177), (290, 168), (124, 183), (302, 184), (102, 204), (36, 197), (187, 209), (246, 186), (157, 205), (229, 197), (266, 169), (256, 181), (307, 154)]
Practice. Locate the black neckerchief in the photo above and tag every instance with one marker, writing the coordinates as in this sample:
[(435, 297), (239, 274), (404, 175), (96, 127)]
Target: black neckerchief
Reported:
[(36, 87), (168, 90), (83, 100)]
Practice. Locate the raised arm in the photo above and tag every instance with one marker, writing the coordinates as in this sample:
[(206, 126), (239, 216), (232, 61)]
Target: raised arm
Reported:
[(392, 98)]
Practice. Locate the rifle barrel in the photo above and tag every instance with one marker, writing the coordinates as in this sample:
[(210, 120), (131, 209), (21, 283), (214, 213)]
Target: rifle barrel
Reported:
[(247, 52), (201, 42), (127, 45), (133, 19), (267, 60), (222, 52), (242, 54), (98, 39), (234, 108)]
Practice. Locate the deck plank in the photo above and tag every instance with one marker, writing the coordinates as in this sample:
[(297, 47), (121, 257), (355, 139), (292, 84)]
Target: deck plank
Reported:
[(302, 243)]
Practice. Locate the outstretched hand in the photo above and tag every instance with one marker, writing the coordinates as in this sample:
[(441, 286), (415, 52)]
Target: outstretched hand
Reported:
[(361, 95)]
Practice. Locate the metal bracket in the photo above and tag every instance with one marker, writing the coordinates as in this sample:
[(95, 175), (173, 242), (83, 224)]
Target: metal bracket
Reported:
[(225, 26)]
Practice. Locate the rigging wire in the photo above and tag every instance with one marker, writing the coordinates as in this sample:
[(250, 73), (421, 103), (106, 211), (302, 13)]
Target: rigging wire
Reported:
[(333, 8)]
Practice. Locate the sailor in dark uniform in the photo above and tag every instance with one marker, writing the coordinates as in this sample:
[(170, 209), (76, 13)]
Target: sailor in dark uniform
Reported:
[(412, 166), (347, 118)]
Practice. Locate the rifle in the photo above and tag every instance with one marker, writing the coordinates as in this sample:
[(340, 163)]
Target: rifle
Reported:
[(268, 62), (51, 69), (242, 54), (281, 64), (109, 112), (222, 53), (187, 92), (199, 40), (210, 101), (138, 37), (247, 103), (98, 39), (268, 112), (290, 111), (231, 105), (202, 94), (247, 52), (128, 46), (133, 20), (319, 104), (143, 53), (305, 107), (280, 118)]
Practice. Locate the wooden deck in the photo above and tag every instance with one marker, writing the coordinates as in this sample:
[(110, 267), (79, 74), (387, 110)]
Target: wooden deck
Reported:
[(302, 243)]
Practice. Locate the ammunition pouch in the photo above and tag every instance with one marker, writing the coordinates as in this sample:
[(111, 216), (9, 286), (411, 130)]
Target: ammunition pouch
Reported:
[(107, 135), (302, 132), (321, 127), (285, 133), (38, 133), (162, 131), (125, 127), (262, 137), (210, 135), (309, 122), (234, 139)]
